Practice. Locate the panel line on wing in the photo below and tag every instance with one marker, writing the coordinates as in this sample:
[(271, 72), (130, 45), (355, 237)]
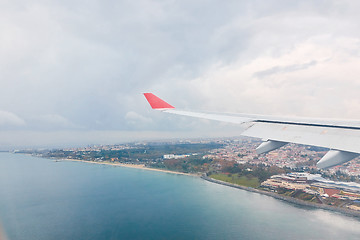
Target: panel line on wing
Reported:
[(308, 124)]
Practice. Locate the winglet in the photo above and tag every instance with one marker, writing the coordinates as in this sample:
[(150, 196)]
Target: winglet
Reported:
[(157, 103)]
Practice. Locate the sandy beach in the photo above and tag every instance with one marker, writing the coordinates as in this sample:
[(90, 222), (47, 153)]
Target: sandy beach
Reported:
[(138, 166)]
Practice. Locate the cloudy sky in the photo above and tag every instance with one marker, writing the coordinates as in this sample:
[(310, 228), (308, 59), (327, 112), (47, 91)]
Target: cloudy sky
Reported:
[(72, 72)]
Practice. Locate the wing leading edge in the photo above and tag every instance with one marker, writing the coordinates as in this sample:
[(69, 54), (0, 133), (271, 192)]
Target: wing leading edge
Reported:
[(341, 137)]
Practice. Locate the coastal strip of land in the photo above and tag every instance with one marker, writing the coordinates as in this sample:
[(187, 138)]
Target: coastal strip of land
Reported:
[(137, 166), (285, 198)]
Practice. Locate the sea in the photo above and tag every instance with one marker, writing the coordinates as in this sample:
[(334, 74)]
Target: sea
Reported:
[(43, 199)]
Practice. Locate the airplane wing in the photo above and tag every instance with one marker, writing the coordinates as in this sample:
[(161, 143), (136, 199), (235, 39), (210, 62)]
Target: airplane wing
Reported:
[(340, 136)]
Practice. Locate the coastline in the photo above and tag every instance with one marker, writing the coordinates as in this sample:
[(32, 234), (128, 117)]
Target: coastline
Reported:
[(286, 198), (249, 189), (137, 166)]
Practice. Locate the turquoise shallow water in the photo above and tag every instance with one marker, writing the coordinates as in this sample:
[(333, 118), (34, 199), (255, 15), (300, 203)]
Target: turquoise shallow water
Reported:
[(42, 199)]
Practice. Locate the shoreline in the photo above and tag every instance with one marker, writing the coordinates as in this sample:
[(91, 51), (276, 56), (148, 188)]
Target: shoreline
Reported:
[(249, 189), (286, 198), (137, 166)]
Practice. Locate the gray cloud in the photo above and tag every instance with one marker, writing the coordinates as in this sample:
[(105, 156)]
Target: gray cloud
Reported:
[(283, 69)]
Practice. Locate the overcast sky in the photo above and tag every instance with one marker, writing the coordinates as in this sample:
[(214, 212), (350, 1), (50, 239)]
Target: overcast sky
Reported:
[(72, 72)]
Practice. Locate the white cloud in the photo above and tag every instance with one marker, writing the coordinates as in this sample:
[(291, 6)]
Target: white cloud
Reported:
[(134, 118), (51, 121), (55, 119), (317, 77), (10, 119)]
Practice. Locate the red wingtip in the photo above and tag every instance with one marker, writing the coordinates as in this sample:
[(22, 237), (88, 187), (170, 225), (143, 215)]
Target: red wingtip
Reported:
[(157, 103)]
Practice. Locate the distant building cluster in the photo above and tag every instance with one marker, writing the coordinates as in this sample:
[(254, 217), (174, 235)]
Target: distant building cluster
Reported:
[(325, 191), (291, 155), (173, 156), (98, 148)]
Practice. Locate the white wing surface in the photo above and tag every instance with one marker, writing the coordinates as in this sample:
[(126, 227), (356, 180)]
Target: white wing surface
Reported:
[(341, 137)]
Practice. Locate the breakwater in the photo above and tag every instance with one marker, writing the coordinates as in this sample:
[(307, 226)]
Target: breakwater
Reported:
[(286, 198)]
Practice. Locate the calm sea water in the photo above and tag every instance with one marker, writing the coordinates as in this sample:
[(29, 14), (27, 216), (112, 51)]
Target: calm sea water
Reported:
[(42, 199)]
